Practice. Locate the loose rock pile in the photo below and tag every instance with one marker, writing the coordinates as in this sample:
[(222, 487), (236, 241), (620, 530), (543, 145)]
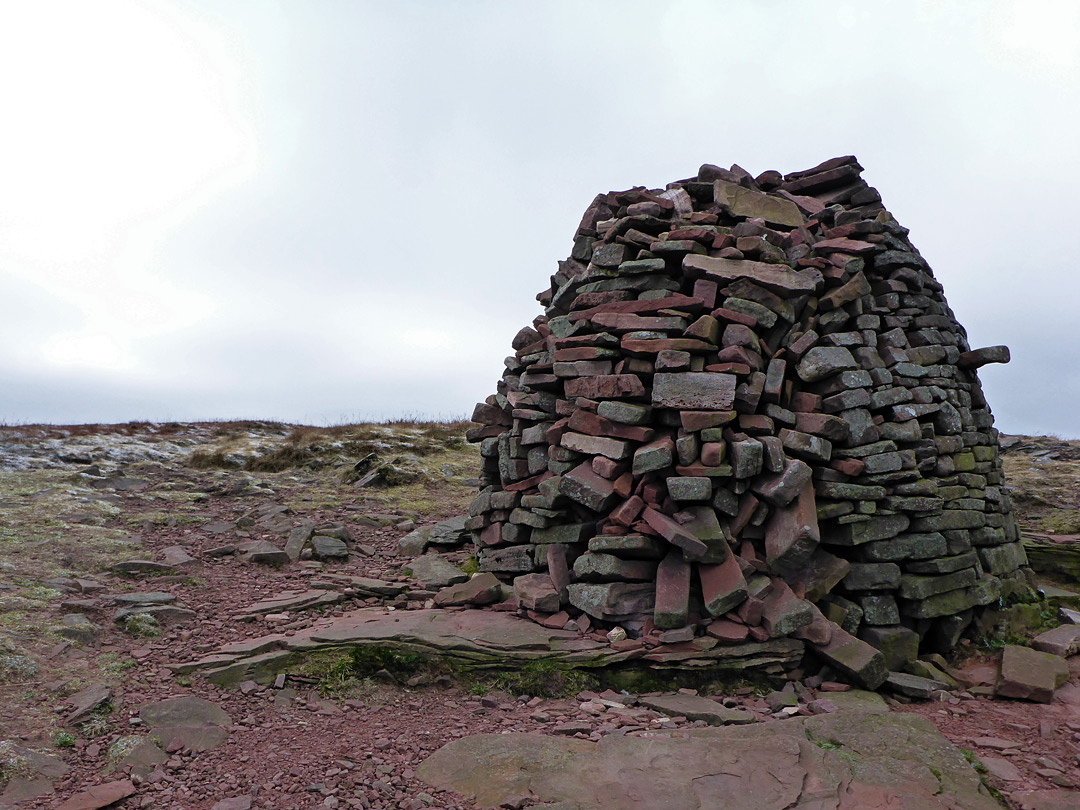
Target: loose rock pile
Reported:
[(748, 413)]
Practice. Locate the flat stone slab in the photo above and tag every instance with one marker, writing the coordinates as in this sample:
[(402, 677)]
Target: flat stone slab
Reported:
[(839, 761), (292, 600), (192, 723), (98, 796), (434, 571), (859, 699), (694, 707), (85, 701), (185, 710), (476, 639), (1063, 640)]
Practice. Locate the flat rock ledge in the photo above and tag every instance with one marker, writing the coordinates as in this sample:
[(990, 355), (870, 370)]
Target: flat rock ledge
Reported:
[(849, 760), (476, 639)]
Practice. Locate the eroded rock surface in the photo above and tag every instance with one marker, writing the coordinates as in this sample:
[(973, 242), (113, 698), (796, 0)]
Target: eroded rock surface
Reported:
[(843, 761)]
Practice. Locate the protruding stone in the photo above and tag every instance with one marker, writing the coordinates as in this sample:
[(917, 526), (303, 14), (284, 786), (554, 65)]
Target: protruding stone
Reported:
[(783, 612), (824, 361), (899, 645), (672, 592), (855, 658), (977, 358), (723, 586), (792, 535)]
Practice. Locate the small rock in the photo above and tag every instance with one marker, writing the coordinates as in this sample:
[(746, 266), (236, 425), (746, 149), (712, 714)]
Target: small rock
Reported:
[(143, 567), (1002, 769), (616, 634), (235, 803), (77, 627), (328, 548), (913, 686), (178, 557), (98, 796), (780, 700), (86, 701), (262, 551), (571, 728)]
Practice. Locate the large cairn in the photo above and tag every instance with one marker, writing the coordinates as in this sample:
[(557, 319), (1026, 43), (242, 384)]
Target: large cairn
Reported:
[(746, 414)]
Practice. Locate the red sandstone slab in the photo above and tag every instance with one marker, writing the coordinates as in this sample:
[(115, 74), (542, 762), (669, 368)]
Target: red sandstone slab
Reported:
[(697, 234), (722, 586), (627, 512), (595, 425), (696, 390), (492, 535), (731, 316), (727, 632), (629, 322), (528, 483), (700, 420), (792, 533), (778, 278), (596, 445), (607, 468), (608, 386), (739, 354), (636, 347), (675, 534), (706, 291), (639, 307), (672, 592), (845, 245), (582, 353), (747, 506)]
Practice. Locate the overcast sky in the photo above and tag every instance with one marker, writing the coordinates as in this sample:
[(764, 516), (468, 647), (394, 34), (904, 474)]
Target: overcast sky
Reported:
[(322, 211)]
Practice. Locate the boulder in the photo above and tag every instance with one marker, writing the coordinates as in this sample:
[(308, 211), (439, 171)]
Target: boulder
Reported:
[(1028, 674)]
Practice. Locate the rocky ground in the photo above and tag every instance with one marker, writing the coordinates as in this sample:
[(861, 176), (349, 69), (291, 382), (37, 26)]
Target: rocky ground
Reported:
[(165, 520)]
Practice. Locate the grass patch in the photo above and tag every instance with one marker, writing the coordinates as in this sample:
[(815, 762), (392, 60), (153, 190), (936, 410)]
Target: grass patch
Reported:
[(12, 763), (98, 723), (315, 448), (544, 679), (1043, 489), (351, 673), (141, 625), (830, 745), (16, 667), (113, 666), (973, 760)]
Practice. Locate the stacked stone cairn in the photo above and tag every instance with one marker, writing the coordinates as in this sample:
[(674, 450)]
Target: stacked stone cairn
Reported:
[(748, 413)]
